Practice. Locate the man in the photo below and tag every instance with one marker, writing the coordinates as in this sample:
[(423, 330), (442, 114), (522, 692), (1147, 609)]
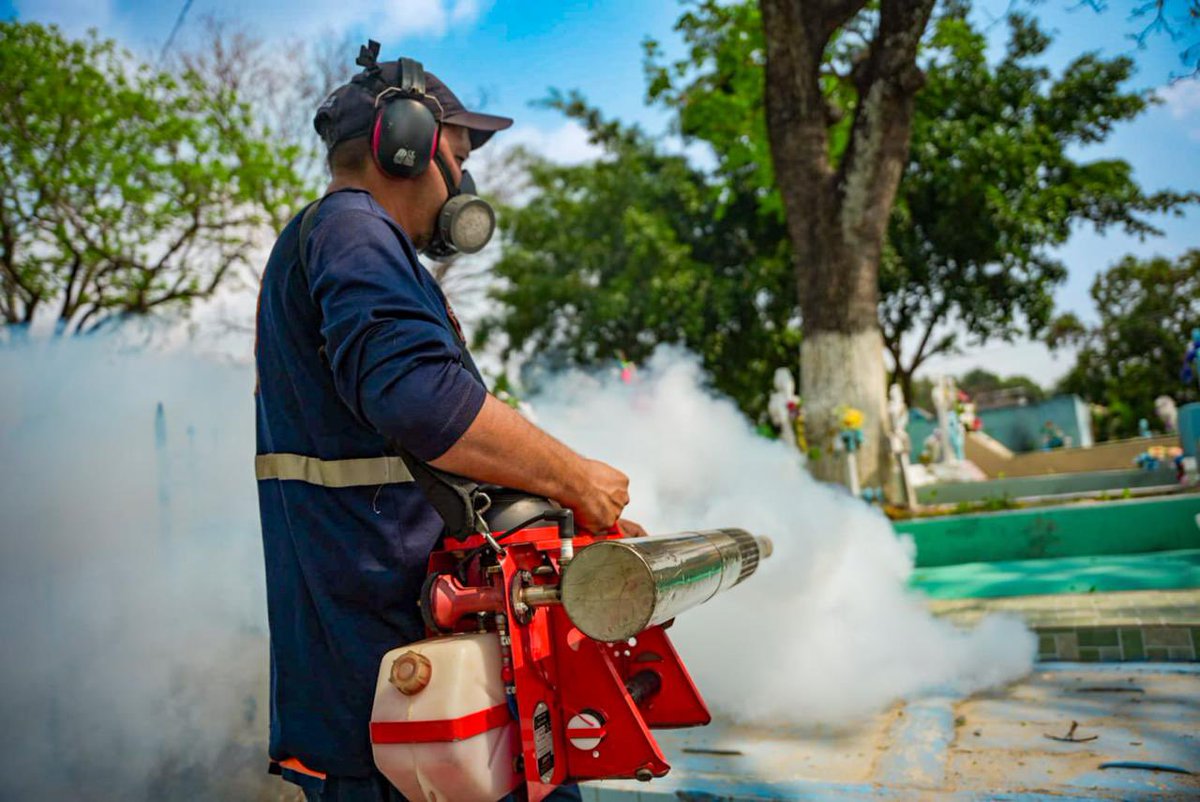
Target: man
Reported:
[(358, 356)]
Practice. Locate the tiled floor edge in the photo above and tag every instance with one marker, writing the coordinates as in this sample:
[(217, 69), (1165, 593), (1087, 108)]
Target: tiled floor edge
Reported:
[(1108, 644)]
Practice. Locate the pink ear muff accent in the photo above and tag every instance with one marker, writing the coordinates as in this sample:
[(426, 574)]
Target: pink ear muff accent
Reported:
[(437, 136), (375, 139)]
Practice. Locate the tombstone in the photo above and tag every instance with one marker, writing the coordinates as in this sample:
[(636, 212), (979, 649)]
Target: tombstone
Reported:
[(956, 436), (948, 445), (783, 407), (945, 394), (901, 445), (1168, 413)]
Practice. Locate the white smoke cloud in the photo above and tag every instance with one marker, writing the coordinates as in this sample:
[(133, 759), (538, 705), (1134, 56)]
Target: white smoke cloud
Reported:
[(132, 602), (827, 630)]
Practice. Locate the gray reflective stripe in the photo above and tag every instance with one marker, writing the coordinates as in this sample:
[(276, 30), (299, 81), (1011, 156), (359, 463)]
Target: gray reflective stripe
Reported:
[(332, 472)]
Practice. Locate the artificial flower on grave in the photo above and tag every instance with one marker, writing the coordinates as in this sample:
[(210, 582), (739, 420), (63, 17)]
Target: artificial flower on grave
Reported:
[(850, 433), (1154, 457)]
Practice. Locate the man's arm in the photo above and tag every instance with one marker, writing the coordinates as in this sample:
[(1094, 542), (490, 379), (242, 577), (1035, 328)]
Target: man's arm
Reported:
[(501, 447), (397, 365)]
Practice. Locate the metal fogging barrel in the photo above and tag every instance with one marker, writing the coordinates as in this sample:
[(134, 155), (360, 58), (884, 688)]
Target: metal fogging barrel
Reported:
[(614, 589)]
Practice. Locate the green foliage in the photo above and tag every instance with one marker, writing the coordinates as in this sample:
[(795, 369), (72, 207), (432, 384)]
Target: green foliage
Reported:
[(1147, 309), (123, 190), (613, 257), (717, 91), (979, 382), (639, 248), (993, 184)]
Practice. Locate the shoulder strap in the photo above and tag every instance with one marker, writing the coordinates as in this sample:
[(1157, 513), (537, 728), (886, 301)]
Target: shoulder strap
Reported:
[(454, 497), (306, 226)]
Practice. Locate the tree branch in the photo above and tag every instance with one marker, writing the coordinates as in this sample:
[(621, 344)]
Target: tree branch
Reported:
[(878, 147)]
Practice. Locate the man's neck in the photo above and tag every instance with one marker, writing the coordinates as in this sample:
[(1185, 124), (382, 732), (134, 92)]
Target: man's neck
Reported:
[(375, 184)]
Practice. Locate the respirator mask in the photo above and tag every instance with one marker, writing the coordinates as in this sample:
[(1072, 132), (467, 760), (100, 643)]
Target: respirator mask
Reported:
[(465, 223)]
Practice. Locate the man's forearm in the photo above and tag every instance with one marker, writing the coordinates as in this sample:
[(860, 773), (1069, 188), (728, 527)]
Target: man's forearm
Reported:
[(501, 447)]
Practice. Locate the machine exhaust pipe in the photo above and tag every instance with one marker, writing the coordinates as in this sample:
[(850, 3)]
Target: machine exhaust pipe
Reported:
[(614, 589)]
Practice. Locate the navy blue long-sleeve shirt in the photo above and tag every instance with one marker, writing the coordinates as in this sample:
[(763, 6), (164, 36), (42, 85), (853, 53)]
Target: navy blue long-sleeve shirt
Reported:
[(357, 355)]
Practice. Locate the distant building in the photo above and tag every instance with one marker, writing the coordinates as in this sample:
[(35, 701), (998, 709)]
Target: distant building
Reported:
[(1021, 424), (1023, 427)]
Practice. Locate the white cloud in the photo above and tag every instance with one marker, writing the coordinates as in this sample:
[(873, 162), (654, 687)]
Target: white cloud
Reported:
[(1181, 98), (567, 144), (73, 16), (467, 11), (386, 21)]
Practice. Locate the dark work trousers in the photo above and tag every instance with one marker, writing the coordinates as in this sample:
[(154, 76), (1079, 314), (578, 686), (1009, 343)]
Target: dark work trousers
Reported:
[(376, 788)]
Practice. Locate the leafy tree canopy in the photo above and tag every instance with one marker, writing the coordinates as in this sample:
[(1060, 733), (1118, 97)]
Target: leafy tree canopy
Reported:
[(611, 258), (640, 248), (993, 183), (123, 190), (1147, 309)]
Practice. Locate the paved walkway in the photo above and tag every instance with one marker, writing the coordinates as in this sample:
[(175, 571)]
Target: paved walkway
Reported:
[(1131, 608), (1135, 723)]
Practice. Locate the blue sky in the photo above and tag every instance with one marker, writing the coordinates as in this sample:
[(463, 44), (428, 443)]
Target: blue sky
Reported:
[(513, 52)]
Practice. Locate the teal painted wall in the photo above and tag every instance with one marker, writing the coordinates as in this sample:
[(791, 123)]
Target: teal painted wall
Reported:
[(1018, 428), (1075, 530), (920, 425)]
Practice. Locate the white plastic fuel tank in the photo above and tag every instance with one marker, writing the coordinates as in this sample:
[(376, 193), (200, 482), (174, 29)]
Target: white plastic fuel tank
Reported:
[(434, 690)]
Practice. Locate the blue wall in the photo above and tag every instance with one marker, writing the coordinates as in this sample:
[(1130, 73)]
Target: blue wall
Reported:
[(1018, 427)]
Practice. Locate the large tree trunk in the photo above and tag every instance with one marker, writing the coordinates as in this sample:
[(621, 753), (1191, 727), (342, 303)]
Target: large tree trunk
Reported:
[(837, 216), (845, 368)]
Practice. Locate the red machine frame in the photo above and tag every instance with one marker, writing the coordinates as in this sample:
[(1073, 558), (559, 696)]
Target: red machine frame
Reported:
[(586, 707)]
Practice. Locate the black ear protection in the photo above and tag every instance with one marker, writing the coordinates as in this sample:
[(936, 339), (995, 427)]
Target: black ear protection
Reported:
[(404, 141), (405, 134)]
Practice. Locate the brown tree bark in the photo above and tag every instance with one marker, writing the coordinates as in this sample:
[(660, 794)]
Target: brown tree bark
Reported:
[(837, 213)]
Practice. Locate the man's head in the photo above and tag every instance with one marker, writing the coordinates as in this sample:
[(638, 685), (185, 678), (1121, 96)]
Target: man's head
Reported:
[(379, 128)]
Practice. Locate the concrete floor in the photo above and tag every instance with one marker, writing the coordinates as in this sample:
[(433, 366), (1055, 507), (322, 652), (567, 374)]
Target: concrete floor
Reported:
[(990, 746)]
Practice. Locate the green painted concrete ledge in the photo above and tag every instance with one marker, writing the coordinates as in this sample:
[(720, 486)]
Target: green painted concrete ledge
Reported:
[(1050, 485), (1133, 526), (1105, 573)]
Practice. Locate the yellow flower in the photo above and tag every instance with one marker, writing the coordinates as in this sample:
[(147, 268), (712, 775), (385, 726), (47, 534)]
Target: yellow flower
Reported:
[(852, 418)]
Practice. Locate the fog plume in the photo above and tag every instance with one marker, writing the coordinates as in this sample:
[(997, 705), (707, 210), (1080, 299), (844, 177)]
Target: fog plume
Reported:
[(827, 630), (132, 604)]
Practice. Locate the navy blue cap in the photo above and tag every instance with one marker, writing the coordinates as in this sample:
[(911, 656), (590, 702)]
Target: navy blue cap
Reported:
[(349, 110)]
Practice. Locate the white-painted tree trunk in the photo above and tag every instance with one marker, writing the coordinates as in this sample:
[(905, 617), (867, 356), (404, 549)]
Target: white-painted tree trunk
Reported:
[(846, 369)]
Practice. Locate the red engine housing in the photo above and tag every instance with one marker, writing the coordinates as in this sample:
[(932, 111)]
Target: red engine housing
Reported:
[(585, 707)]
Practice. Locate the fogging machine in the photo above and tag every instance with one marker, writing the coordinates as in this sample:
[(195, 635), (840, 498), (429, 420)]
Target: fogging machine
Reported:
[(547, 660)]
